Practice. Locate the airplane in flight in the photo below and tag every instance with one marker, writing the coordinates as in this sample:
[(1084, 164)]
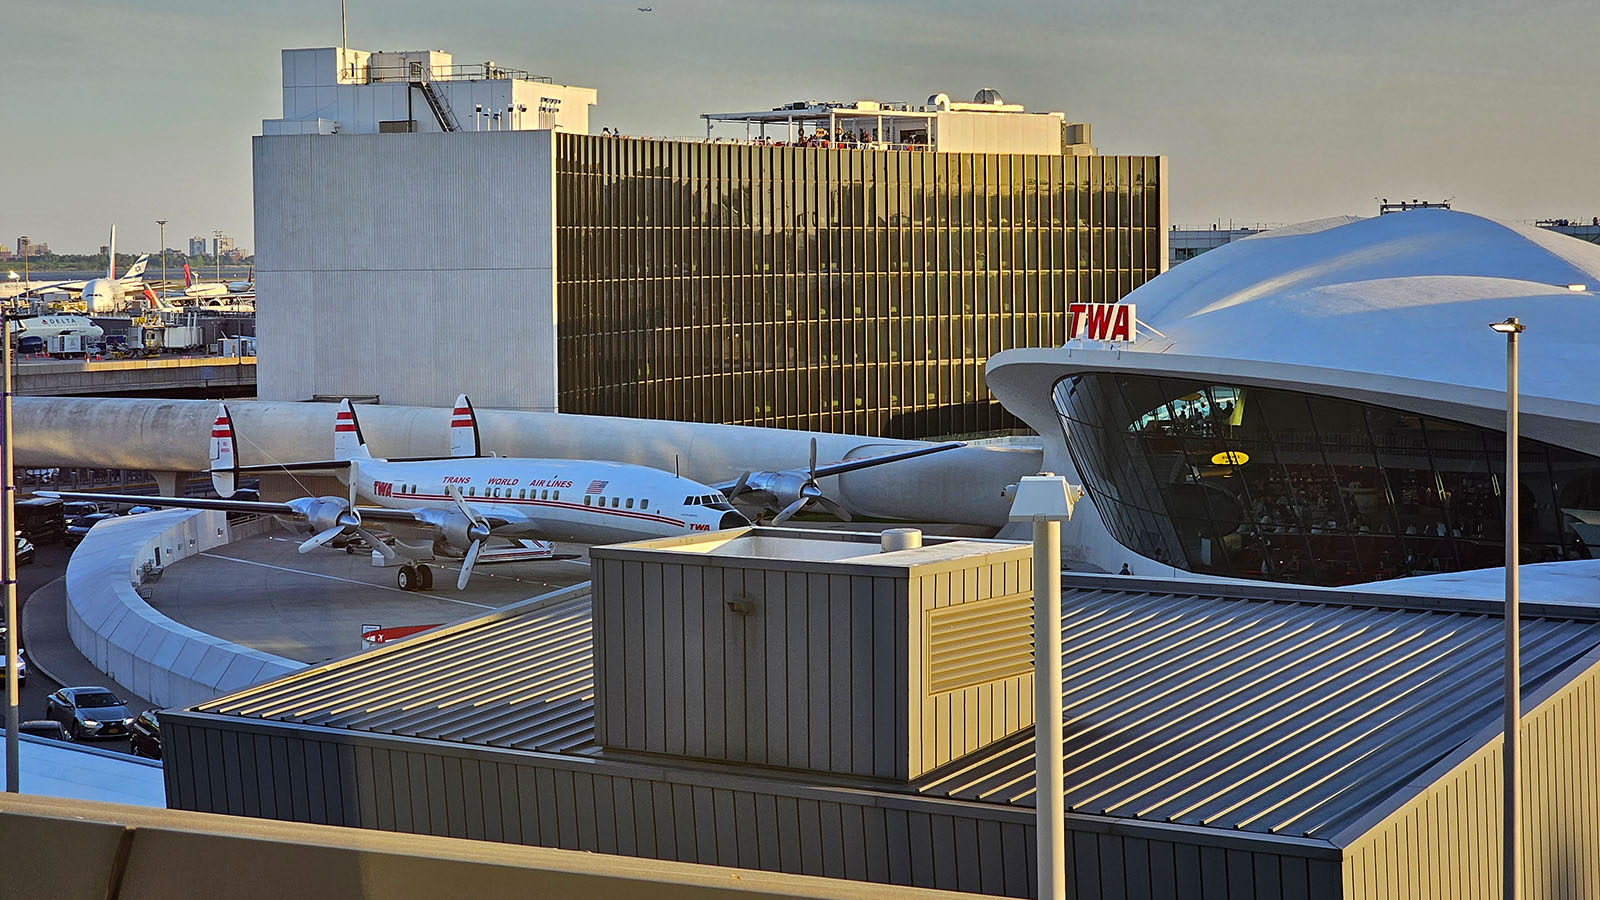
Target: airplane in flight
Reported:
[(468, 498)]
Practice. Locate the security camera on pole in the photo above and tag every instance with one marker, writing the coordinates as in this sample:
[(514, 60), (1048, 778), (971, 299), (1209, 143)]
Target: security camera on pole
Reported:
[(1046, 500)]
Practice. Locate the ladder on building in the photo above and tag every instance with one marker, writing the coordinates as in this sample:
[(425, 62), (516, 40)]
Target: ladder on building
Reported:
[(437, 103)]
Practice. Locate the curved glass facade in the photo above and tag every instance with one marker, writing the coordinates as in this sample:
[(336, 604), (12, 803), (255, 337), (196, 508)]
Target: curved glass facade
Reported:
[(855, 291), (1286, 486)]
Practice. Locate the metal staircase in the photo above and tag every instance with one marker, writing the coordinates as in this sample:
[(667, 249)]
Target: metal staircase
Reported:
[(437, 103)]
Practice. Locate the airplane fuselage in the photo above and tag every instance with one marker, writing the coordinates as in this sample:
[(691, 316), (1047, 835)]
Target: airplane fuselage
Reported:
[(568, 500)]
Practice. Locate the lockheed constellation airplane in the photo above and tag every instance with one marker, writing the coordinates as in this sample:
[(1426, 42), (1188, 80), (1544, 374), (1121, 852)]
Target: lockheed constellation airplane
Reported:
[(466, 499)]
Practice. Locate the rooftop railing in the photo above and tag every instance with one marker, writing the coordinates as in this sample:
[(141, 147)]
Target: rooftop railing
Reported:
[(416, 71)]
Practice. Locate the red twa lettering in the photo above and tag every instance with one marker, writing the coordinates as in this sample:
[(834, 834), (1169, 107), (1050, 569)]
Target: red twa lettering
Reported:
[(383, 488)]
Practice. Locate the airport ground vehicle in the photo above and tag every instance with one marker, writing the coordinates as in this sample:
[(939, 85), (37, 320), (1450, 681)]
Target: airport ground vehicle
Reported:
[(25, 551), (81, 525), (29, 345), (41, 519), (144, 735), (89, 712), (74, 509)]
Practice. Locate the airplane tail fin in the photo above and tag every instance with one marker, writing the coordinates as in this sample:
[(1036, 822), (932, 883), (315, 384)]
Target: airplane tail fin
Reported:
[(111, 254), (188, 276), (348, 443), (138, 267), (224, 461), (464, 440)]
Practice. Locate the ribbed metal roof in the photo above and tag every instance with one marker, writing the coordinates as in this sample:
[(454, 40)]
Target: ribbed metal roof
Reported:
[(1293, 717), (524, 681)]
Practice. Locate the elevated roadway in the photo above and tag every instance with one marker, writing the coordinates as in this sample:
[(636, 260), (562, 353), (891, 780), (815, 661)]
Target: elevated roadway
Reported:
[(199, 376)]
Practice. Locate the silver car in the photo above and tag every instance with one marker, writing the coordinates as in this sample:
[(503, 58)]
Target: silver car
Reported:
[(89, 712)]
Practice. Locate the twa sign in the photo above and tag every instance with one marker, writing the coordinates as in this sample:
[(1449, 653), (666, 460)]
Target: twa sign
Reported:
[(1102, 321)]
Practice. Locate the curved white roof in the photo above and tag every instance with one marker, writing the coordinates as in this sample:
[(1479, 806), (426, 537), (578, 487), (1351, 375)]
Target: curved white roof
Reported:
[(1408, 294)]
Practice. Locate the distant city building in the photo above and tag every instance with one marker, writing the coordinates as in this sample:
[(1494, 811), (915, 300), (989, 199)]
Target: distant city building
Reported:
[(197, 246), (5, 253), (234, 254), (1186, 242), (855, 280), (221, 244), (26, 247)]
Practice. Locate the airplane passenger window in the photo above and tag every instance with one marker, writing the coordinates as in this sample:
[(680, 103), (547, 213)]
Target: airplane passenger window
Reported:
[(614, 501), (544, 495), (644, 504), (522, 494), (585, 499), (630, 503)]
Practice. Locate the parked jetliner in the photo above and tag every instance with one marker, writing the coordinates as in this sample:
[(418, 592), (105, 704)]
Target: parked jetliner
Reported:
[(467, 498), (102, 294), (49, 326)]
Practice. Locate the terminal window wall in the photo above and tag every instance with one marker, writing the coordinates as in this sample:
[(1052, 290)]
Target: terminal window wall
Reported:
[(1295, 487), (826, 289)]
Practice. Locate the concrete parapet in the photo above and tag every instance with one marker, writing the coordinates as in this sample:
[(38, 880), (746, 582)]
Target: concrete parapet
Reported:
[(112, 625)]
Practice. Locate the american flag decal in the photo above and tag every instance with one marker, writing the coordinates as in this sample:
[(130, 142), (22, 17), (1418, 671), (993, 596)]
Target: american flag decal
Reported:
[(596, 487)]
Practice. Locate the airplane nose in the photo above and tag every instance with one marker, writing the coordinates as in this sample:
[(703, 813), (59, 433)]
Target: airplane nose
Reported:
[(732, 520)]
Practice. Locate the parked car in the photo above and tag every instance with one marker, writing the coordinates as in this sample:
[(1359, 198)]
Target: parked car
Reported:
[(41, 519), (25, 550), (75, 509), (145, 735), (44, 728), (89, 712), (22, 666), (81, 525)]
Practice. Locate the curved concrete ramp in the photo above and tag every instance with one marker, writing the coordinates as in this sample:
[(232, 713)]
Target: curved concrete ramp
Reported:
[(123, 636)]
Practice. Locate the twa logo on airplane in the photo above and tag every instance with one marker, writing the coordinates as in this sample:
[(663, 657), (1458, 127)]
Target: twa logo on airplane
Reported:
[(1103, 321)]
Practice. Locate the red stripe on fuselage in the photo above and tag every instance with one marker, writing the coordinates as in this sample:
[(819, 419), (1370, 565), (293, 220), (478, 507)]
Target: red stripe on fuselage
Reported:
[(558, 504)]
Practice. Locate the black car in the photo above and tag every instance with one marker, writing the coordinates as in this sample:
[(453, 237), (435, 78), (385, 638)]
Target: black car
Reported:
[(145, 735), (81, 525), (89, 712), (25, 550), (44, 728), (76, 509)]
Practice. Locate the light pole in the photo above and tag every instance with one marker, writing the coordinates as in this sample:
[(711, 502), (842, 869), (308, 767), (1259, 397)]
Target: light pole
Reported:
[(1046, 501), (163, 224), (8, 525), (216, 247), (1511, 835)]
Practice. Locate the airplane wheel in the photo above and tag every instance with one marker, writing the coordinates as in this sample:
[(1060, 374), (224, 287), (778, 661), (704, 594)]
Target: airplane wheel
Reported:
[(406, 578), (424, 578)]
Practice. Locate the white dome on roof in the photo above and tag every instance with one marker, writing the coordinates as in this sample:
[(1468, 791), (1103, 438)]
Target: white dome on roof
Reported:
[(1408, 294)]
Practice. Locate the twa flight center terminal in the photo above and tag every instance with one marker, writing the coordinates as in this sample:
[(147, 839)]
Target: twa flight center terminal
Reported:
[(1324, 404)]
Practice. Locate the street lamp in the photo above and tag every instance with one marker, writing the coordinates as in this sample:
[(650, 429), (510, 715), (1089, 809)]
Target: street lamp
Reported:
[(8, 527), (1046, 501), (1511, 828), (163, 224)]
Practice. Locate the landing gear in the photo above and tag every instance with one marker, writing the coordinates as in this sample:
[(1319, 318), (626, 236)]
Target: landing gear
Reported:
[(411, 577)]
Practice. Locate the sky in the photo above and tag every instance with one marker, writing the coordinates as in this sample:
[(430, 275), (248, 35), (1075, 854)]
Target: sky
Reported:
[(1270, 111)]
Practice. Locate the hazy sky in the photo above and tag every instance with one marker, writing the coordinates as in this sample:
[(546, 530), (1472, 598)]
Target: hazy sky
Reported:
[(1270, 111)]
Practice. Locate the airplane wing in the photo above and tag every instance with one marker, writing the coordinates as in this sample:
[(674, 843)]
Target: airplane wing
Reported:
[(850, 465)]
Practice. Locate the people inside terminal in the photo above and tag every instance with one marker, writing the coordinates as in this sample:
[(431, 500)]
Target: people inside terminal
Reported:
[(1289, 486)]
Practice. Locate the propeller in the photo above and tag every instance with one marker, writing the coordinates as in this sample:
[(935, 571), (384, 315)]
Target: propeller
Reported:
[(329, 517), (808, 493), (477, 531)]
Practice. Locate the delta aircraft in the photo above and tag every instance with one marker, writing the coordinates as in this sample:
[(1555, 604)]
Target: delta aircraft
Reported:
[(468, 498)]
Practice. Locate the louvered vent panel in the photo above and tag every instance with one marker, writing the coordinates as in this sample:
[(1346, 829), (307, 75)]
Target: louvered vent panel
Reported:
[(976, 643)]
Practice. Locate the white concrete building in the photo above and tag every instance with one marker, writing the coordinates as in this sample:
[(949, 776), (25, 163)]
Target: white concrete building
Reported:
[(337, 90), (1324, 404)]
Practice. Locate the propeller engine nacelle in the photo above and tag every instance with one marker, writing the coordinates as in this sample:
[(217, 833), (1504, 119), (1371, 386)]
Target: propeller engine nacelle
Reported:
[(323, 513), (788, 491), (455, 527)]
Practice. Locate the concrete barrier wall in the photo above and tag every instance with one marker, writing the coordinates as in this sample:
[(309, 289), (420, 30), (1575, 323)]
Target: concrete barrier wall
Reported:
[(159, 659), (72, 849)]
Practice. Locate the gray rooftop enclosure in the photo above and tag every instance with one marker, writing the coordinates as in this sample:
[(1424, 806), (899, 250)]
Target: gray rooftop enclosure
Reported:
[(819, 652)]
